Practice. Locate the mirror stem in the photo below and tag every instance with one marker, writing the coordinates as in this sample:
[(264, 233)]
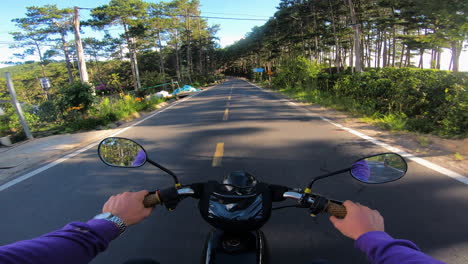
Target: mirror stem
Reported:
[(165, 170), (327, 175)]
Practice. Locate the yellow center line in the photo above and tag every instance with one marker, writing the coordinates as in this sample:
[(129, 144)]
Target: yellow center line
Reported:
[(229, 98), (226, 114), (218, 155)]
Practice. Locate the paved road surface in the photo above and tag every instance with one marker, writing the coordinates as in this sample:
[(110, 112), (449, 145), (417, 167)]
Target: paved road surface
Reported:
[(276, 141)]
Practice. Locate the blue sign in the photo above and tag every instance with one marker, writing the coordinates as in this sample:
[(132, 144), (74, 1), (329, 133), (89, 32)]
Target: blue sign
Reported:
[(258, 70)]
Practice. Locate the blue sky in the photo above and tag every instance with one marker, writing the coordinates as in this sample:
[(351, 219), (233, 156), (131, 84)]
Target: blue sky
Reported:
[(230, 30)]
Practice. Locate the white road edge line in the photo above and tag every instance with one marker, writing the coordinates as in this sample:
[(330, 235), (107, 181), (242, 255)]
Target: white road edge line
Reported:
[(71, 155), (421, 161)]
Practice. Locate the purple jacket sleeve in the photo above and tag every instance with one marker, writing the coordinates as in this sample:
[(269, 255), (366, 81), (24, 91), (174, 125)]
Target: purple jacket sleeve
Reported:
[(381, 248), (75, 243)]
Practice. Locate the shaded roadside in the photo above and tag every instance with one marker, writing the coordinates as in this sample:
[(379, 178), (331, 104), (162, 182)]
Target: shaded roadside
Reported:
[(432, 148)]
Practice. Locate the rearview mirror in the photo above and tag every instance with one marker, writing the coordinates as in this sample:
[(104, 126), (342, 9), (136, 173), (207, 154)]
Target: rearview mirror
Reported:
[(122, 152), (379, 168)]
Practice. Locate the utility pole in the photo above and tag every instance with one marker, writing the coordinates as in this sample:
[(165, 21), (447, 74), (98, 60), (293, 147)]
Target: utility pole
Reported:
[(79, 48), (17, 106)]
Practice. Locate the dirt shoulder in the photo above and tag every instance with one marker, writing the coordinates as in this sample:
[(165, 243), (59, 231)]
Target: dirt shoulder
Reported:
[(432, 148)]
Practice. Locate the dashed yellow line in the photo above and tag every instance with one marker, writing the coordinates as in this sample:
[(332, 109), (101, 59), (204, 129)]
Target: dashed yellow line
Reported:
[(226, 114), (229, 98), (218, 155)]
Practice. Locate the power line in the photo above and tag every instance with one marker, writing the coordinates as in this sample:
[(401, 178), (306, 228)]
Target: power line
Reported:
[(232, 14), (230, 18), (212, 17)]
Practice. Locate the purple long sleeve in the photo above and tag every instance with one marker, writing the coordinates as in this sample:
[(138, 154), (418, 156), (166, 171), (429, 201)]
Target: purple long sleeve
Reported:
[(381, 248), (75, 243)]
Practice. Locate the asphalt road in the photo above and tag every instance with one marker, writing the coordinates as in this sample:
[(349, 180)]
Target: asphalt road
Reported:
[(278, 142)]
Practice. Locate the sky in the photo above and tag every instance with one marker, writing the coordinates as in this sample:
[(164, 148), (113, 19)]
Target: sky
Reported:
[(230, 30)]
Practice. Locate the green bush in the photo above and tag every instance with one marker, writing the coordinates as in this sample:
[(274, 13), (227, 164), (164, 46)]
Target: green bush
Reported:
[(47, 112), (10, 123), (75, 97), (297, 73), (428, 101)]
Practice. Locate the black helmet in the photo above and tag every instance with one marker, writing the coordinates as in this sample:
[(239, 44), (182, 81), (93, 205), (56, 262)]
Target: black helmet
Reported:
[(240, 183)]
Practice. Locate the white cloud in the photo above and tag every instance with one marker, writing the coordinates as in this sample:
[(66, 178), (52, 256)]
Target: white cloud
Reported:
[(228, 40)]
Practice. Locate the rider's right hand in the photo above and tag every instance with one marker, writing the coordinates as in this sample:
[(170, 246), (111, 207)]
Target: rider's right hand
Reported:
[(128, 206), (358, 221)]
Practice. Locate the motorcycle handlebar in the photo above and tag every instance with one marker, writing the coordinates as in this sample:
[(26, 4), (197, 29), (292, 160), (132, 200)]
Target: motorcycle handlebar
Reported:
[(333, 208), (153, 199), (336, 209)]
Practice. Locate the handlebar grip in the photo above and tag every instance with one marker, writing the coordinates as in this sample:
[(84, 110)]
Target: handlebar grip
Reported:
[(151, 200), (335, 209)]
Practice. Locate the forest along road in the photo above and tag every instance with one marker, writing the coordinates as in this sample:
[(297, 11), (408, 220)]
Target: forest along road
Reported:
[(246, 128)]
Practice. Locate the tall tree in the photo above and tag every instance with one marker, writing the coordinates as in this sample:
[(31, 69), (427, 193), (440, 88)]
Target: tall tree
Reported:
[(49, 20), (130, 15)]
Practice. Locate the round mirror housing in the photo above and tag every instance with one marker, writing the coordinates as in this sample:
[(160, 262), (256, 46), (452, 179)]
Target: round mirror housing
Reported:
[(380, 168), (122, 152)]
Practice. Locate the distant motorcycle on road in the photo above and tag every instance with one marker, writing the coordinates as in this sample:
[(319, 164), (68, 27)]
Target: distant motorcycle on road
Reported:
[(240, 205)]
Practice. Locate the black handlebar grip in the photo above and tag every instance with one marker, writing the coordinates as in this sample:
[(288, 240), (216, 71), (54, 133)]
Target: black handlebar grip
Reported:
[(151, 200), (335, 209)]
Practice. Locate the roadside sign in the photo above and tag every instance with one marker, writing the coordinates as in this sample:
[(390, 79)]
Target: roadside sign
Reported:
[(45, 83), (258, 70), (270, 73)]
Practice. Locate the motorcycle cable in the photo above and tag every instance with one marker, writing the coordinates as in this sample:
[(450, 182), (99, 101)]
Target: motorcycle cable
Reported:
[(286, 206)]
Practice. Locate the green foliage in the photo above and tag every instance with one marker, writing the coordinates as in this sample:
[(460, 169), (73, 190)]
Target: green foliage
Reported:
[(111, 110), (427, 101), (47, 112), (76, 96), (297, 72), (10, 123)]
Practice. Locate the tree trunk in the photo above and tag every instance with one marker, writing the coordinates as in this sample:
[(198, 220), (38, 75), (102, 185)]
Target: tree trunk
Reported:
[(393, 39), (97, 66), (161, 56), (378, 49), (384, 55), (40, 58), (456, 47), (402, 55), (189, 51), (337, 44), (317, 55), (67, 58), (133, 59), (351, 57), (439, 53), (357, 37), (177, 56), (79, 49), (421, 57), (200, 51)]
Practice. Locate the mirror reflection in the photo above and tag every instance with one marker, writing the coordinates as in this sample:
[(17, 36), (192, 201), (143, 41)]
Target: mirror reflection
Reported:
[(121, 152), (380, 168)]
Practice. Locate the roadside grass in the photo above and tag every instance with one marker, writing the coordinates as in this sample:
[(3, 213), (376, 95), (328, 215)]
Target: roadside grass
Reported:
[(103, 114), (392, 122), (423, 141)]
